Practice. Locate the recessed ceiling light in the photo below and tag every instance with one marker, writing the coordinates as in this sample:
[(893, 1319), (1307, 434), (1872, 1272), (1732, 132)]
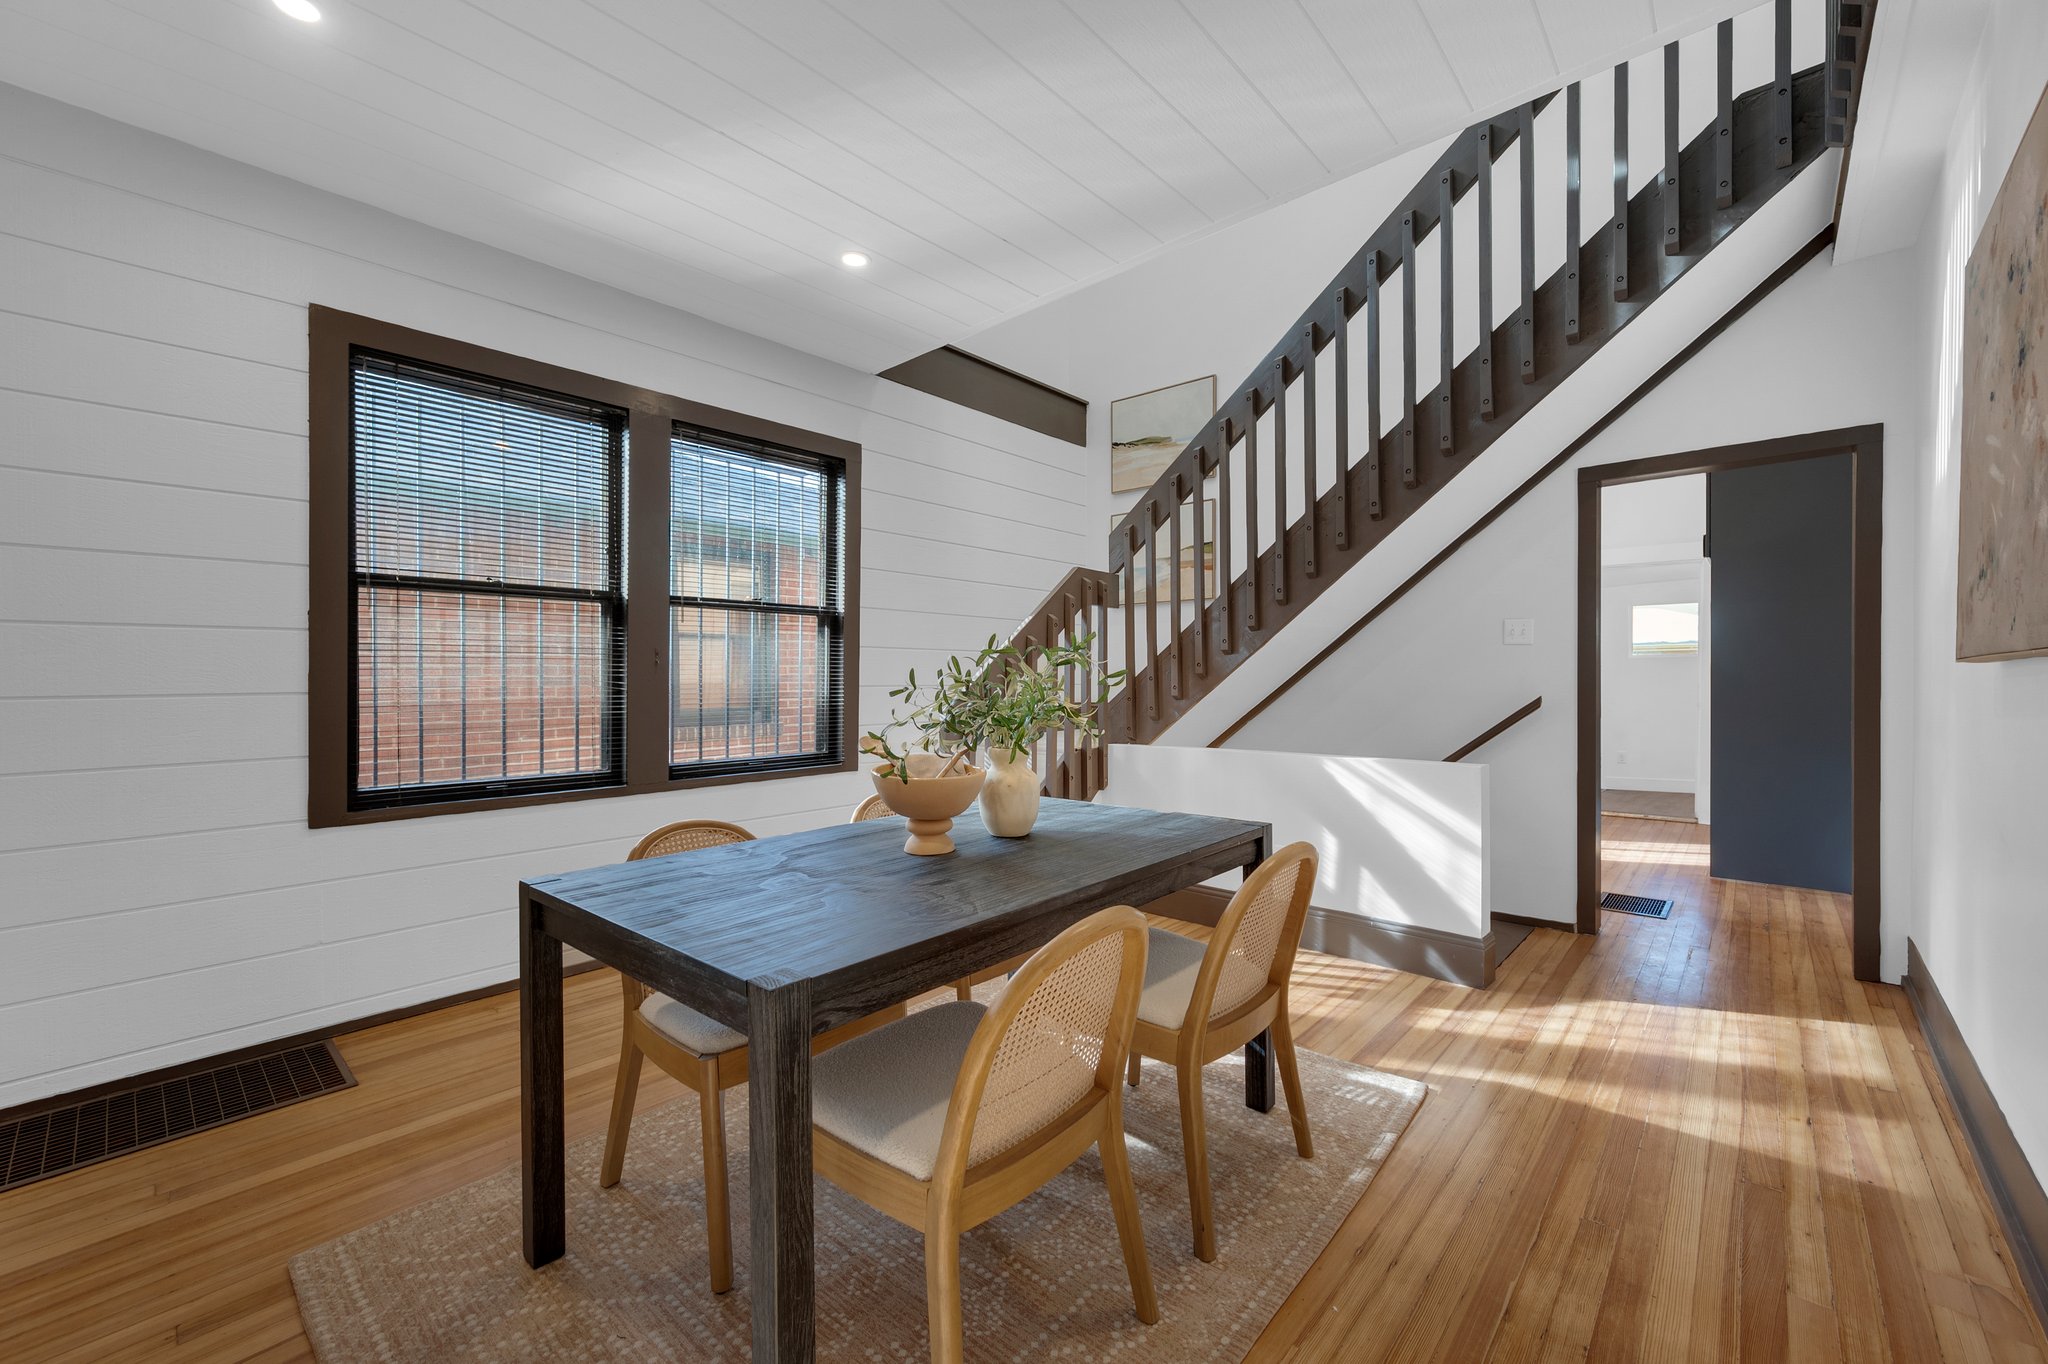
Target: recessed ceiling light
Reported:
[(305, 11), (852, 260)]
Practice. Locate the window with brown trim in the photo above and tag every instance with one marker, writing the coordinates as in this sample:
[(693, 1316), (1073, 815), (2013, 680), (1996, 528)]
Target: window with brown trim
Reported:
[(482, 528), (756, 604)]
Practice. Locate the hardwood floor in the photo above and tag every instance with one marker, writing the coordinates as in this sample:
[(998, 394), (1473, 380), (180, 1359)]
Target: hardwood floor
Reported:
[(1693, 1139)]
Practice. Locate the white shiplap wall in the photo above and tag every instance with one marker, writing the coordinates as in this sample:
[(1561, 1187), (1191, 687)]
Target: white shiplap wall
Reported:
[(160, 896)]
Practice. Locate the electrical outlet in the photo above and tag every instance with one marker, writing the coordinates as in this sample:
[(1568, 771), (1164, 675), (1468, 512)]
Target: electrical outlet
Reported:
[(1518, 631), (1621, 760)]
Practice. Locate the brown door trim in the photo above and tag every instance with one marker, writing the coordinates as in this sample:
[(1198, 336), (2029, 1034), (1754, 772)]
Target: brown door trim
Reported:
[(1865, 446)]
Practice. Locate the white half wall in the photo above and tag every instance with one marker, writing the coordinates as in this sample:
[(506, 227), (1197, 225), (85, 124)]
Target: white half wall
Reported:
[(1404, 842), (163, 899)]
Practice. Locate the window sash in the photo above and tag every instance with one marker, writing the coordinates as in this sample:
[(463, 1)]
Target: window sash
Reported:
[(545, 500), (702, 737), (765, 700)]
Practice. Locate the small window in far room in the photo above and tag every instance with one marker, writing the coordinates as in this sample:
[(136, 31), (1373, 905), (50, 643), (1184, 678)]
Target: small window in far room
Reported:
[(1667, 628)]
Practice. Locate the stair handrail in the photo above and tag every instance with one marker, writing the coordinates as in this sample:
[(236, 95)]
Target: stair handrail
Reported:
[(1519, 714)]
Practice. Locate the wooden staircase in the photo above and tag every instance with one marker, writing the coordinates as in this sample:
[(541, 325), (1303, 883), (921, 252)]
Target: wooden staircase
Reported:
[(1302, 489)]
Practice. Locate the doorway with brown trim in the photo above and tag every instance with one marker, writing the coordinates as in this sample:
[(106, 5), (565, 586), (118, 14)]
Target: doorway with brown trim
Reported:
[(1864, 449)]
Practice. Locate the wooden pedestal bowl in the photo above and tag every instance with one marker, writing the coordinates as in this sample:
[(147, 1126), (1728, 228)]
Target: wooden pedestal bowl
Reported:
[(929, 804)]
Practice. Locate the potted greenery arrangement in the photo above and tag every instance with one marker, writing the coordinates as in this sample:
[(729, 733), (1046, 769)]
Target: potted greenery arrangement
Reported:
[(1003, 701)]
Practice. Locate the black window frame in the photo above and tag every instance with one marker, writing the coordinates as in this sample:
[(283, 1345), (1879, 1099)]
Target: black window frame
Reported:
[(834, 720), (611, 600), (643, 575)]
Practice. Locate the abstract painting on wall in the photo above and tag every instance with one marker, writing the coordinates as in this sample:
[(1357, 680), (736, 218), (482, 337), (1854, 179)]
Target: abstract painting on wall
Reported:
[(2002, 541), (1147, 430)]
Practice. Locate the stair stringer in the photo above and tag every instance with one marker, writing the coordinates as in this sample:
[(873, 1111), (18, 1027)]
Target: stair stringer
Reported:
[(1690, 306)]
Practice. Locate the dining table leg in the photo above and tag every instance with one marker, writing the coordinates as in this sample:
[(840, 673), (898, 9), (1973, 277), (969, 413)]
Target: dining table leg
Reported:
[(779, 1126), (544, 1221)]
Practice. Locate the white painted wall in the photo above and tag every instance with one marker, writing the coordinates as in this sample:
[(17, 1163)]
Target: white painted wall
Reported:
[(1832, 347), (1649, 703), (1980, 882), (163, 898), (1399, 841), (1660, 520)]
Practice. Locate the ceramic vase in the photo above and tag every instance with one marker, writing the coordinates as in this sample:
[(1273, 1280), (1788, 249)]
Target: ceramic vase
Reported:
[(1009, 798)]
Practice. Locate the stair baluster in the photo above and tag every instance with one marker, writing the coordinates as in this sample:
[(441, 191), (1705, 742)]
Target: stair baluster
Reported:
[(1340, 351), (1280, 479), (1485, 273), (1782, 106), (1618, 246), (1176, 674), (1311, 507), (1673, 238), (1408, 472), (1199, 551), (1151, 608), (1526, 145), (1226, 527), (1375, 481), (1573, 242), (1724, 118), (1254, 562), (1447, 325)]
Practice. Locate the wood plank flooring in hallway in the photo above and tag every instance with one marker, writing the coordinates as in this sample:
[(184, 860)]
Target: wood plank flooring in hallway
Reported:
[(1689, 1139)]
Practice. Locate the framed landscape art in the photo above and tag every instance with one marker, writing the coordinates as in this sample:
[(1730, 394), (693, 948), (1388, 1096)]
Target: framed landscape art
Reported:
[(1146, 431), (2002, 538)]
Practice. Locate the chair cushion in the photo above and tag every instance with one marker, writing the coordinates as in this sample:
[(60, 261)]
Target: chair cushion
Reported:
[(1172, 961), (885, 1092), (682, 1024)]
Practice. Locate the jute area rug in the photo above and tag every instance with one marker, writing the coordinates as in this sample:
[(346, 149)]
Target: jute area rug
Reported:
[(444, 1281)]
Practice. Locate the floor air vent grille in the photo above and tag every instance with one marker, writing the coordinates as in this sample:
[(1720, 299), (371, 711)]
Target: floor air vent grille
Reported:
[(1641, 906), (46, 1144)]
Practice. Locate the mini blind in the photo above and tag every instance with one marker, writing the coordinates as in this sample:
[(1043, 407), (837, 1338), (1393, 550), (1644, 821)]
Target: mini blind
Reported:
[(756, 605), (488, 609)]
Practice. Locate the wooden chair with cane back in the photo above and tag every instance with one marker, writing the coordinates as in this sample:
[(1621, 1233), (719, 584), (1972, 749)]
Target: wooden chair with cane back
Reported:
[(946, 1118), (701, 1052), (1203, 1002), (874, 807)]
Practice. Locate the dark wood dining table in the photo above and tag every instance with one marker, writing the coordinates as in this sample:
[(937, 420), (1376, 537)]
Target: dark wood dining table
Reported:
[(785, 937)]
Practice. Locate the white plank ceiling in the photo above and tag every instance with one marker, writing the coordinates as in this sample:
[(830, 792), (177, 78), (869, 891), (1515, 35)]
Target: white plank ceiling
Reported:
[(721, 155)]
